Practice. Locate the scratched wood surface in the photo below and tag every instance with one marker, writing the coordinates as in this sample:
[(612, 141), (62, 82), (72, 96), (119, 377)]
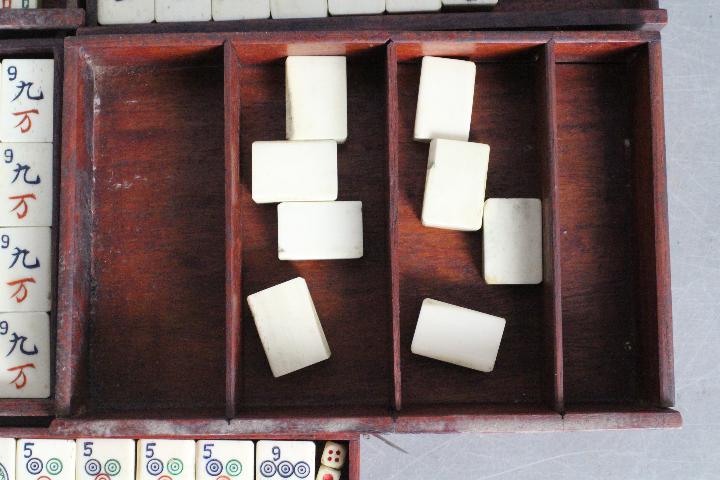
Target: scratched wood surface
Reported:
[(573, 118)]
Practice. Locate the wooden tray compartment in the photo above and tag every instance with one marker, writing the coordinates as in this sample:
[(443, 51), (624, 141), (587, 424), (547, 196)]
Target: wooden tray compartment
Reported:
[(154, 183), (615, 272), (65, 15), (45, 49), (507, 15), (543, 100), (351, 296), (447, 265)]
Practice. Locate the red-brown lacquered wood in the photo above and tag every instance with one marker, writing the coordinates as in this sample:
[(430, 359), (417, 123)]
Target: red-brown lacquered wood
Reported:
[(74, 262), (552, 281), (41, 19), (393, 202), (233, 231), (49, 49), (352, 297), (651, 220), (608, 95), (616, 302), (612, 417), (477, 419), (447, 265), (509, 15), (306, 425)]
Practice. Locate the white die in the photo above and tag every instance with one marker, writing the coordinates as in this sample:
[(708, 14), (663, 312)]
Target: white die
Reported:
[(51, 459), (25, 277), (26, 100), (327, 473), (334, 455), (222, 459), (26, 184), (105, 459), (25, 355)]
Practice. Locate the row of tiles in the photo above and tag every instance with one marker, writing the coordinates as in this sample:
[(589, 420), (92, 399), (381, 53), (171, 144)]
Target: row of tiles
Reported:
[(112, 12), (26, 215), (154, 459)]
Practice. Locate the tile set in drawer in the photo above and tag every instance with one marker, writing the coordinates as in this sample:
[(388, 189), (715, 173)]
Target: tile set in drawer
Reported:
[(26, 213), (145, 11), (154, 459)]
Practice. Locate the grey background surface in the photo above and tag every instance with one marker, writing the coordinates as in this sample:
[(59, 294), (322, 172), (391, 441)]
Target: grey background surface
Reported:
[(691, 56)]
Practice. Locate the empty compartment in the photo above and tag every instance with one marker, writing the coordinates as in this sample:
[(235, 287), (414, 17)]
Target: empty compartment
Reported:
[(352, 297), (155, 326), (527, 5), (447, 265), (612, 223)]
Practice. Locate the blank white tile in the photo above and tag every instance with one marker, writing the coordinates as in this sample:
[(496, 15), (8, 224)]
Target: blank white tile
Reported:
[(299, 8), (51, 459), (512, 241), (234, 459), (102, 458), (279, 460), (240, 9), (26, 184), (165, 458), (294, 171), (25, 368), (320, 231), (316, 98), (117, 12), (356, 7), (445, 99), (289, 327), (7, 459), (455, 185), (458, 335), (25, 269), (469, 3), (25, 4), (183, 10), (26, 100), (404, 6)]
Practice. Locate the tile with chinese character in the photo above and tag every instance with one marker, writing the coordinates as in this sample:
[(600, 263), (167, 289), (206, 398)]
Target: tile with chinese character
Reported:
[(7, 459), (26, 100), (26, 184), (165, 460), (24, 355), (105, 459), (45, 460), (25, 269), (225, 459)]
